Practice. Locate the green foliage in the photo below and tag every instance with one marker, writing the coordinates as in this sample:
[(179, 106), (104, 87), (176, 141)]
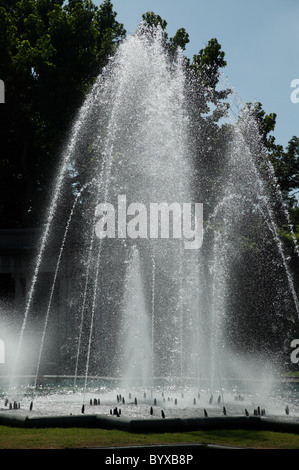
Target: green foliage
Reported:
[(68, 438), (154, 20), (286, 167), (285, 164), (50, 53), (210, 57), (180, 39), (206, 67), (285, 161), (265, 121)]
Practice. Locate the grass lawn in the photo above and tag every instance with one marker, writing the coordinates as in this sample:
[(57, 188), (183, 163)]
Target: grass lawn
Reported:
[(74, 438), (293, 374)]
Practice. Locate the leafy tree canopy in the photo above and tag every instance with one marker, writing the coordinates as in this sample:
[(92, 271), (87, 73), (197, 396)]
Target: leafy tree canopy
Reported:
[(50, 52), (285, 161)]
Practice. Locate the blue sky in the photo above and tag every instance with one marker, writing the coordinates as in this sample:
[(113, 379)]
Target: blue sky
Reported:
[(260, 39)]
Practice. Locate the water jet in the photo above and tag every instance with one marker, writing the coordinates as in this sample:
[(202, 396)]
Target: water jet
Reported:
[(143, 313)]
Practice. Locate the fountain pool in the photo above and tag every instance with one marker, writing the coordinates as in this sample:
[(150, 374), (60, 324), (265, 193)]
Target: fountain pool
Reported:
[(168, 322)]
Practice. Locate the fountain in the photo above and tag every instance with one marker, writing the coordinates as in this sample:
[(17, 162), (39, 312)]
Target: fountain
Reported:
[(133, 297)]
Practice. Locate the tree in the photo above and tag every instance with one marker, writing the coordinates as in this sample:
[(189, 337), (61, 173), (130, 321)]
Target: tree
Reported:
[(286, 167), (206, 103), (285, 161), (266, 123), (50, 53), (179, 40), (151, 19)]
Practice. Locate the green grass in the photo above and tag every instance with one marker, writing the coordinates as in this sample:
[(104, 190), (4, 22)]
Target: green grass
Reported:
[(71, 438), (293, 374)]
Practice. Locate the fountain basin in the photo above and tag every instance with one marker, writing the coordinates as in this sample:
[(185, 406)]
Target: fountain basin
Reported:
[(60, 404), (174, 322), (155, 425)]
